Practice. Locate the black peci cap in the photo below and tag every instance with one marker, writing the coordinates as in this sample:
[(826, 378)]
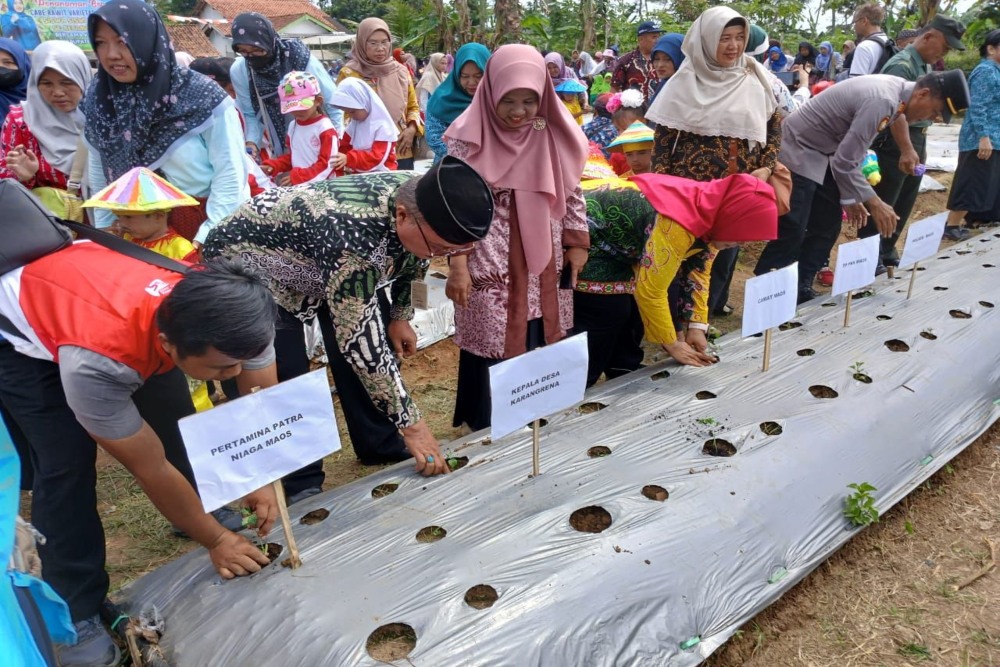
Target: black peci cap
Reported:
[(953, 88), (455, 201)]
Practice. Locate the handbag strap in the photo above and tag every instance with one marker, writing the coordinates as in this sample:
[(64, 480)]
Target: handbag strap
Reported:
[(74, 184), (734, 153), (117, 244)]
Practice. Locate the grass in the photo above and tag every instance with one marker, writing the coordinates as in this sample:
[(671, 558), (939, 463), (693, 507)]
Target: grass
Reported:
[(916, 651)]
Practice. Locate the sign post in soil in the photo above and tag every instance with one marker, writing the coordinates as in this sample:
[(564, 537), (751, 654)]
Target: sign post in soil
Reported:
[(243, 445), (856, 264), (544, 381), (922, 240), (769, 300)]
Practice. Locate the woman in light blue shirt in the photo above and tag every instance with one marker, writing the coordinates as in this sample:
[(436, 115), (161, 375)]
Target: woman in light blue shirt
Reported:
[(265, 59), (142, 109)]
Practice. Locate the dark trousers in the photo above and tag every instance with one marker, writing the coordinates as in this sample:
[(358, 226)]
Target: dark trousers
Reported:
[(808, 232), (614, 333), (64, 502), (21, 447), (722, 275), (897, 189)]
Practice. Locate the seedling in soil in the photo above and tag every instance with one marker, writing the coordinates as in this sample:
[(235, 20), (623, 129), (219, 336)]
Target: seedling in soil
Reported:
[(928, 334), (858, 370), (859, 507), (457, 462), (916, 651), (248, 517), (864, 293)]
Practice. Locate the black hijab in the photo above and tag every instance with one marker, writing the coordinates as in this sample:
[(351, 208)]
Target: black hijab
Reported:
[(138, 124), (265, 72), (808, 58)]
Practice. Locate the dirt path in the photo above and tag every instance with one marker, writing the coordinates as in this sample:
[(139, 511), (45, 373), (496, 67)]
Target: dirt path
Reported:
[(884, 599)]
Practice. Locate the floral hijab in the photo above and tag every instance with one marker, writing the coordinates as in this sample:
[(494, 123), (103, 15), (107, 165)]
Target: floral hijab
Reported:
[(283, 56), (138, 124)]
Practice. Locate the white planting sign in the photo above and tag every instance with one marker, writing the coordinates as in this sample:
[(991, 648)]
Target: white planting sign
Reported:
[(770, 299), (856, 264), (923, 239), (245, 444), (537, 384)]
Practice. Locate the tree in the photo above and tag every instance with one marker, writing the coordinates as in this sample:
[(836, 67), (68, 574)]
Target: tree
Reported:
[(508, 25), (464, 25), (352, 11)]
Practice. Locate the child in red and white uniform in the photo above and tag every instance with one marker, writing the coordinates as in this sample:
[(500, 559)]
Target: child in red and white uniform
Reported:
[(312, 138), (369, 143)]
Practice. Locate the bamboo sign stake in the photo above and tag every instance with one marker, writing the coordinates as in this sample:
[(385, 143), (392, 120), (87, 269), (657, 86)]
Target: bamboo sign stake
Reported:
[(294, 560), (847, 310), (767, 350), (535, 447), (913, 279)]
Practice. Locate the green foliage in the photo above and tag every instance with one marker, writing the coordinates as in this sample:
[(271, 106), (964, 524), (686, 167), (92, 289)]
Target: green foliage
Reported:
[(177, 7), (249, 518), (707, 421), (353, 11), (859, 507)]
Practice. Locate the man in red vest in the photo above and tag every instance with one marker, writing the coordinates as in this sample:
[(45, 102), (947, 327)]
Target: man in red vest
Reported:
[(93, 348)]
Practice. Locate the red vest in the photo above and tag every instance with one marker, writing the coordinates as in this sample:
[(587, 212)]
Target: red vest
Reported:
[(92, 297)]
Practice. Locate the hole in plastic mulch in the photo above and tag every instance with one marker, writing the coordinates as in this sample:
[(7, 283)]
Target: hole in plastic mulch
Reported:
[(481, 596), (828, 304), (940, 288), (588, 408), (704, 395), (789, 325), (590, 519), (655, 492), (959, 314), (383, 490), (273, 551), (987, 266), (928, 335), (883, 317), (457, 462), (599, 452), (314, 517), (822, 391), (390, 642), (662, 375), (431, 534), (985, 304), (771, 428), (806, 352), (718, 447), (861, 377), (896, 345)]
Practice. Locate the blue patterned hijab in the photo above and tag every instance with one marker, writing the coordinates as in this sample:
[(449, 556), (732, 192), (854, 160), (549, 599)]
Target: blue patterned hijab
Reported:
[(138, 124)]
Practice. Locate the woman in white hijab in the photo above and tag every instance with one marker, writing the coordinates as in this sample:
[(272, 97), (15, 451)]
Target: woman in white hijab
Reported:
[(40, 136), (434, 74), (588, 66), (716, 116)]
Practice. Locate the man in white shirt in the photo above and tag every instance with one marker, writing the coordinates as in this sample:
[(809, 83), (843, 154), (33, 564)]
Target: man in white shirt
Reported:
[(871, 39)]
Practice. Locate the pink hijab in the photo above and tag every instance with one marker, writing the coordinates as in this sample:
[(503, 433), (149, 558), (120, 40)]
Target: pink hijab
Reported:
[(542, 161)]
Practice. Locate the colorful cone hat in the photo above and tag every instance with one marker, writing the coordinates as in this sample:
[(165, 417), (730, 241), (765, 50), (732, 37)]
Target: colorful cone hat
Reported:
[(139, 190), (597, 168), (636, 137)]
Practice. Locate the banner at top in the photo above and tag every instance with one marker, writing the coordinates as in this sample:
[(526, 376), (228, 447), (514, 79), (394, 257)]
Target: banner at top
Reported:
[(30, 22)]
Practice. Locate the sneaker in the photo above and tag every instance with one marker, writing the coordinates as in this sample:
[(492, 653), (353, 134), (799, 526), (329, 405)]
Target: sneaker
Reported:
[(302, 495), (805, 294), (825, 277), (94, 646), (880, 269), (229, 518), (722, 312), (956, 233)]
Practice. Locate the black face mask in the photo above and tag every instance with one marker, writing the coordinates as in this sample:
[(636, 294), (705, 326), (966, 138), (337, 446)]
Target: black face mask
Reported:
[(10, 77), (260, 62)]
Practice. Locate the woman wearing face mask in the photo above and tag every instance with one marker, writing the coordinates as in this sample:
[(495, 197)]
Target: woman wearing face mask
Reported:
[(195, 140), (716, 116), (520, 138), (391, 80), (14, 70), (265, 59), (40, 137), (454, 95)]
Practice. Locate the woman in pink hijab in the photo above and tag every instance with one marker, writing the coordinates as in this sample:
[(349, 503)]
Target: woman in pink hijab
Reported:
[(509, 297)]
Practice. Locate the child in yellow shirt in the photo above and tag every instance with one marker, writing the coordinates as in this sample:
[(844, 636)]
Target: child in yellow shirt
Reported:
[(570, 92)]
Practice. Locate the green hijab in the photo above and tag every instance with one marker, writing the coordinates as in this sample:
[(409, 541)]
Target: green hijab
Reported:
[(450, 99)]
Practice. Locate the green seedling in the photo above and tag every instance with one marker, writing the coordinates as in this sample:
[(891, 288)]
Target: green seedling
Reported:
[(858, 370), (452, 462), (858, 367), (859, 507), (249, 518), (707, 421)]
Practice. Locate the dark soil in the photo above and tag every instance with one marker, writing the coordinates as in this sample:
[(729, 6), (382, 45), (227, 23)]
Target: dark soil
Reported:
[(383, 490), (391, 642), (897, 345), (789, 325), (314, 517), (662, 375), (940, 288), (822, 391), (591, 519), (861, 377), (481, 596), (718, 447), (806, 352), (588, 408), (598, 451), (883, 317), (959, 314), (985, 304), (273, 551), (431, 534), (457, 462), (771, 428), (928, 335), (654, 492), (704, 395)]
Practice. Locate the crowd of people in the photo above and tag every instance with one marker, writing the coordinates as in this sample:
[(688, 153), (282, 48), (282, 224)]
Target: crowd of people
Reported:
[(248, 197)]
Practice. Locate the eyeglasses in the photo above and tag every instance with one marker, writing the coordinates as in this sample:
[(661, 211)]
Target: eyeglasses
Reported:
[(251, 52), (430, 249), (377, 45)]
